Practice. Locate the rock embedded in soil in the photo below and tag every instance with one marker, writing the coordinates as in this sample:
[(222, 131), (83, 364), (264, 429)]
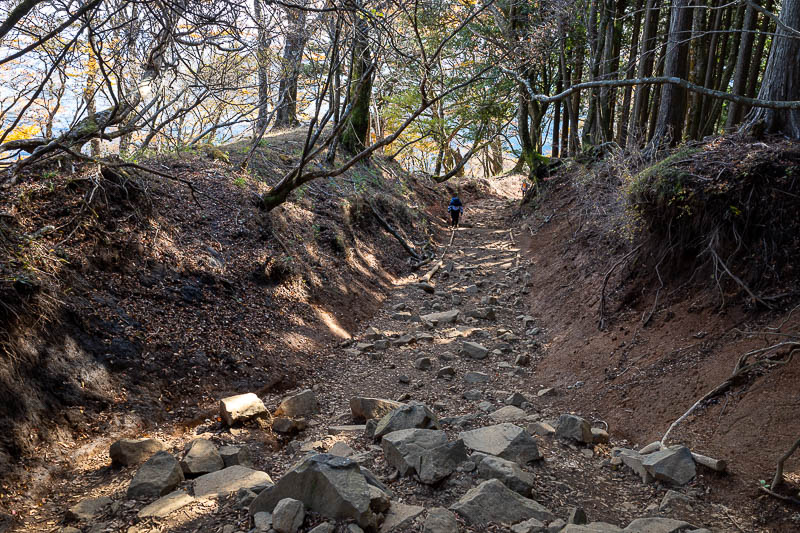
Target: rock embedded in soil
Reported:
[(476, 377), (133, 451), (532, 526), (403, 449), (633, 460), (332, 486), (235, 455), (325, 527), (508, 472), (440, 462), (575, 428), (372, 408), (522, 360), (503, 440), (440, 520), (509, 413), (446, 372), (201, 457), (423, 363), (671, 465), (483, 313), (543, 429), (516, 399), (87, 509), (288, 516), (166, 505), (474, 350), (413, 415), (303, 403), (433, 320), (600, 436), (229, 480), (658, 525), (241, 408), (341, 449), (493, 502), (400, 517), (158, 476)]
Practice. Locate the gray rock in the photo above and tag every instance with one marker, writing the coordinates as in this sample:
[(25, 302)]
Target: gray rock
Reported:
[(378, 500), (509, 413), (549, 391), (166, 505), (332, 486), (382, 344), (404, 449), (574, 428), (235, 455), (486, 407), (440, 462), (503, 440), (369, 428), (341, 449), (446, 372), (634, 460), (592, 527), (658, 525), (491, 501), (516, 400), (474, 350), (402, 316), (509, 472), (413, 415), (472, 395), (543, 429), (522, 360), (301, 404), (201, 457), (404, 379), (244, 497), (347, 430), (262, 522), (133, 451), (556, 526), (650, 448), (372, 334), (529, 526), (471, 289), (672, 465), (241, 408), (400, 516), (229, 480), (368, 408), (483, 313), (404, 340), (577, 516), (87, 509), (353, 528), (599, 436), (289, 426), (288, 516), (672, 499), (158, 476), (438, 319), (476, 377), (440, 520), (423, 363), (325, 527)]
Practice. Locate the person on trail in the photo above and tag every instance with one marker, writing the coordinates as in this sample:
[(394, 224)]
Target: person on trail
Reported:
[(455, 208), (524, 188)]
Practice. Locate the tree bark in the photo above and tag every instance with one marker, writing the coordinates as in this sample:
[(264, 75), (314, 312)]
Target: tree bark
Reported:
[(286, 115), (638, 128), (622, 125), (736, 111), (356, 128)]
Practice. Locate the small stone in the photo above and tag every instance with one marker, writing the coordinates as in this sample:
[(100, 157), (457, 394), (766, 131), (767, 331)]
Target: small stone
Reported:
[(235, 455), (577, 516), (88, 509), (474, 350), (404, 379), (672, 465), (352, 429), (400, 516), (599, 436), (341, 449), (509, 413), (166, 505), (412, 416), (574, 428), (133, 451), (545, 392), (516, 400), (446, 372), (241, 408), (522, 360), (201, 457), (503, 440), (423, 363), (158, 476), (229, 480), (440, 520), (486, 407), (491, 501), (508, 472), (472, 395), (288, 515), (325, 527), (262, 522), (476, 377)]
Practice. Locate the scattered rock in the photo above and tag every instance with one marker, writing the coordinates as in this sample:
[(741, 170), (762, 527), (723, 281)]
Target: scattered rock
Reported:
[(133, 451), (672, 499), (437, 319), (516, 400), (244, 497), (201, 457), (472, 395), (423, 363), (574, 428), (400, 516), (230, 480), (503, 440), (650, 448), (325, 527), (474, 350), (543, 429), (476, 377), (262, 522), (483, 313), (600, 436), (577, 516), (403, 449), (404, 340), (241, 408), (301, 404), (440, 520), (333, 486), (404, 379), (288, 516), (402, 316), (522, 360), (234, 455), (413, 415), (491, 501), (368, 408), (486, 407), (289, 426), (351, 429), (364, 346), (341, 449), (446, 372), (440, 462), (633, 460), (658, 525), (509, 413), (672, 465), (166, 505), (158, 476), (545, 392), (87, 509), (509, 472)]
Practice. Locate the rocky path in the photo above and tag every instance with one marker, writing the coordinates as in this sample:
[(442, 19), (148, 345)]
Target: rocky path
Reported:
[(464, 440)]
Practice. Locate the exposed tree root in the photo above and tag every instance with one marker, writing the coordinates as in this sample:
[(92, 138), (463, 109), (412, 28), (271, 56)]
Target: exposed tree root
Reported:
[(602, 323)]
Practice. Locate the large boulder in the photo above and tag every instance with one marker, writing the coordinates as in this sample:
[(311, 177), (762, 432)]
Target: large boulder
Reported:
[(503, 440), (509, 472), (575, 428), (413, 415), (672, 465), (405, 448), (369, 408), (201, 457), (229, 480), (158, 476), (491, 501), (301, 404), (332, 486), (133, 451), (241, 408)]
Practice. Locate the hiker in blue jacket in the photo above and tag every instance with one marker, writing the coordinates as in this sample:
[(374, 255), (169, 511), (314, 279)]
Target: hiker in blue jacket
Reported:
[(455, 208)]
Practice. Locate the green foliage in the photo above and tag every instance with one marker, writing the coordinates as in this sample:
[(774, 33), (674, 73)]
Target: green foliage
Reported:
[(240, 182)]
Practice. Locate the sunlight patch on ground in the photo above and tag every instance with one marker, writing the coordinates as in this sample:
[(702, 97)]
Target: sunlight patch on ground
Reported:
[(332, 323)]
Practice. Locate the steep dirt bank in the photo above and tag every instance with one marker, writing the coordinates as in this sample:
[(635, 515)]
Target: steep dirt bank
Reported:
[(654, 359), (130, 304)]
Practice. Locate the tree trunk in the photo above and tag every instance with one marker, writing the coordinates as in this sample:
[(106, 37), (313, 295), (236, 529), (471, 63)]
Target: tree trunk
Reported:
[(669, 128), (781, 79), (575, 104), (554, 145), (286, 114), (765, 29), (638, 128), (355, 133), (699, 56), (262, 66), (622, 125), (735, 110)]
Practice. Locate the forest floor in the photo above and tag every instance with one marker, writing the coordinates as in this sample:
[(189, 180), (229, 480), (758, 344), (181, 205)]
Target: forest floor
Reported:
[(518, 268)]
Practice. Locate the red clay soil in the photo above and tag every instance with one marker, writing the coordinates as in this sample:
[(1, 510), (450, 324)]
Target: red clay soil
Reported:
[(639, 379)]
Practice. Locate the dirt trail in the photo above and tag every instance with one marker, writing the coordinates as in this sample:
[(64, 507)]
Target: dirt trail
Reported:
[(484, 275)]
